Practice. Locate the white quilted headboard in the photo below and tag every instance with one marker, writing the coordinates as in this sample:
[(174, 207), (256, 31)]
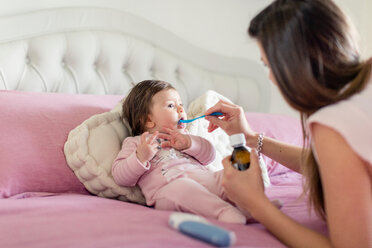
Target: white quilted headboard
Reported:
[(104, 51)]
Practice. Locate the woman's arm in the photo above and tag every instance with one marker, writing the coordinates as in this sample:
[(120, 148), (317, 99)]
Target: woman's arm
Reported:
[(283, 153), (247, 191), (288, 231), (347, 189), (234, 121)]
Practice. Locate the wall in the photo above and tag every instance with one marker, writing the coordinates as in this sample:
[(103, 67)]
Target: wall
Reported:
[(367, 25), (359, 13), (216, 25)]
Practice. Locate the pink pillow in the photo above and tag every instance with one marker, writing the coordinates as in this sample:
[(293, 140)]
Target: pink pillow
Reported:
[(34, 128), (280, 127)]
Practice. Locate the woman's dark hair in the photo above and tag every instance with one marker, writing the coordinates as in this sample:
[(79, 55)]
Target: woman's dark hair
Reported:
[(313, 56), (137, 105)]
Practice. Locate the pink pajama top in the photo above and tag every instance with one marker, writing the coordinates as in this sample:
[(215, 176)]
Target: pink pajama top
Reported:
[(166, 165), (352, 119)]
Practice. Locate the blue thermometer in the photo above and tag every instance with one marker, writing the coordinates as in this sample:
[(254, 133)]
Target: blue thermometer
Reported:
[(199, 228)]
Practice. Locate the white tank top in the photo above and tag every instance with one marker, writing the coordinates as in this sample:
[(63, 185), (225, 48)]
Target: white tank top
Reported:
[(352, 118)]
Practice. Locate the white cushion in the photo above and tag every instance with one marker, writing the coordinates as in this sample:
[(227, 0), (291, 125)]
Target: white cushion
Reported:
[(90, 151)]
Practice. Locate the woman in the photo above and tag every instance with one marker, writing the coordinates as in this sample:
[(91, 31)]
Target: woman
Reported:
[(308, 47)]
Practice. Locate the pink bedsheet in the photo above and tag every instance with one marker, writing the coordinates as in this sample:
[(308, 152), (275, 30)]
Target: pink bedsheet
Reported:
[(74, 220)]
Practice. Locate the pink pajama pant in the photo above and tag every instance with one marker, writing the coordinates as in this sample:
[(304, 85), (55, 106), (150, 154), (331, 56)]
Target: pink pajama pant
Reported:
[(199, 192)]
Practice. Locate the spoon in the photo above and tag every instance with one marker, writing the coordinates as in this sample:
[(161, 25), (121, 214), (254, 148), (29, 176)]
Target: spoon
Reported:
[(190, 120)]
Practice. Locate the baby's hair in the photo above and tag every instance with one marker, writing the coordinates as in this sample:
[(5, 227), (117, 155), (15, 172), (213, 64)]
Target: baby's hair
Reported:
[(137, 104)]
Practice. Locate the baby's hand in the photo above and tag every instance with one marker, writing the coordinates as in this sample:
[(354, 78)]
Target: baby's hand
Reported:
[(148, 147), (175, 139)]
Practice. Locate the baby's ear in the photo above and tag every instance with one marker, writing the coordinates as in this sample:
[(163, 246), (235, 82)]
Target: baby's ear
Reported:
[(149, 123)]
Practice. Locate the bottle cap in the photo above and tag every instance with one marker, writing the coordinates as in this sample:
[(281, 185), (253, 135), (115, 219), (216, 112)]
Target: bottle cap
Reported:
[(237, 139)]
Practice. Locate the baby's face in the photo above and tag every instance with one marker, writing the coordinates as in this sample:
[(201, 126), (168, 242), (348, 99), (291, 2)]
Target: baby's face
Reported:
[(167, 109)]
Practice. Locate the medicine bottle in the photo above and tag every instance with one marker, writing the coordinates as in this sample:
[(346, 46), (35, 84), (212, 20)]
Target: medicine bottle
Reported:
[(241, 157)]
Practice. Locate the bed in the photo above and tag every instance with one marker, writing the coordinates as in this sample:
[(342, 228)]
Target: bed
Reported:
[(60, 67)]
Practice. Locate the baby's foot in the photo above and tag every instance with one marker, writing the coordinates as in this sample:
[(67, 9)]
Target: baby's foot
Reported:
[(232, 215)]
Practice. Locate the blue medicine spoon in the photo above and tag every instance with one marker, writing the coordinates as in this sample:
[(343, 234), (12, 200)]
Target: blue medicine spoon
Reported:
[(190, 120)]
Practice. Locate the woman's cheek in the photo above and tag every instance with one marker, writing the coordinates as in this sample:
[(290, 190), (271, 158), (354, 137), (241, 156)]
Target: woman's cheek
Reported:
[(272, 78)]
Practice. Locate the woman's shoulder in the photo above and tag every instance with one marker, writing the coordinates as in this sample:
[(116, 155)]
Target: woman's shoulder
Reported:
[(359, 102), (352, 119)]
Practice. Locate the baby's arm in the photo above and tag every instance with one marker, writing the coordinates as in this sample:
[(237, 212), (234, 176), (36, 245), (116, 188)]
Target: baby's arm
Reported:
[(127, 169), (195, 146), (201, 149)]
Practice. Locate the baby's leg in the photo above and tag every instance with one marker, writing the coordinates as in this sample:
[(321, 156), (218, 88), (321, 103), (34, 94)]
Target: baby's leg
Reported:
[(213, 183), (187, 195)]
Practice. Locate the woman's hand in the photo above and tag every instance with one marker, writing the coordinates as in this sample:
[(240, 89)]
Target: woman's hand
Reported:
[(148, 147), (245, 188), (232, 122), (175, 139)]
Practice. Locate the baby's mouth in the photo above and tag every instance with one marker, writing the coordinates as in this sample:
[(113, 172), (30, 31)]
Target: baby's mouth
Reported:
[(181, 125)]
